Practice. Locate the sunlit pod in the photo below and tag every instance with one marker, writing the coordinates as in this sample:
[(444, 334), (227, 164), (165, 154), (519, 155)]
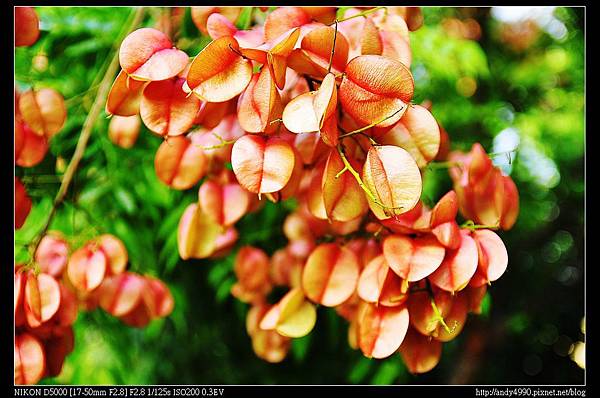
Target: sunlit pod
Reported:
[(147, 54), (420, 353), (225, 204), (314, 195), (34, 148), (510, 204), (19, 293), (218, 73), (330, 274), (378, 284), (298, 230), (166, 110), (115, 252), (43, 110), (270, 345), (442, 221), (211, 142), (157, 297), (485, 195), (22, 203), (443, 320), (224, 243), (86, 268), (314, 54), (140, 317), (343, 228), (381, 329), (42, 298), (378, 39), (259, 106), (30, 360), (349, 308), (390, 21), (196, 234), (376, 90), (19, 137), (286, 269), (293, 185), (52, 254), (282, 20), (359, 145), (417, 132), (352, 28), (293, 316), (200, 15), (353, 334), (57, 348), (324, 15), (444, 145), (123, 131), (274, 55), (427, 312), (251, 268), (267, 344), (475, 296), (68, 309), (120, 294), (311, 147), (27, 30), (458, 266), (295, 85), (365, 250), (255, 314), (413, 258), (211, 114), (412, 15), (219, 26), (310, 112), (394, 179), (405, 222), (124, 96), (493, 257), (262, 165), (179, 163)]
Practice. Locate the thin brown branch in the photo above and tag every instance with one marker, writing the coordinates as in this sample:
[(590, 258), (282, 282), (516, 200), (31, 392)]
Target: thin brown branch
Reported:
[(87, 128)]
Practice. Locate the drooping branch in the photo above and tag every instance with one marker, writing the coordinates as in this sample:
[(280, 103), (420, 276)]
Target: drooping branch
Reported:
[(88, 126)]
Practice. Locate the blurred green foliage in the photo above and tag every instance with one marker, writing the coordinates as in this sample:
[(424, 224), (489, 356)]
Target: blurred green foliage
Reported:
[(482, 90)]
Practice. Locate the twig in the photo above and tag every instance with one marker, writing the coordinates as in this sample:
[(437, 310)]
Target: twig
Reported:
[(469, 224), (87, 129), (362, 14), (437, 313), (333, 46), (360, 130)]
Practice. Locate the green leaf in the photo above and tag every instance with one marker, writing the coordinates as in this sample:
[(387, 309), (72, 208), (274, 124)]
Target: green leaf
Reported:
[(35, 221), (486, 305), (245, 18), (220, 271), (388, 371), (360, 370), (224, 289), (126, 200), (300, 347)]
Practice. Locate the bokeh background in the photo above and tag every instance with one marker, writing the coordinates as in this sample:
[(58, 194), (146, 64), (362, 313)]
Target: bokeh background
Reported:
[(506, 77)]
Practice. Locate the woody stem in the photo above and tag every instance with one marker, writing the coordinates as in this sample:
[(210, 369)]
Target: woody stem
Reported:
[(88, 127)]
